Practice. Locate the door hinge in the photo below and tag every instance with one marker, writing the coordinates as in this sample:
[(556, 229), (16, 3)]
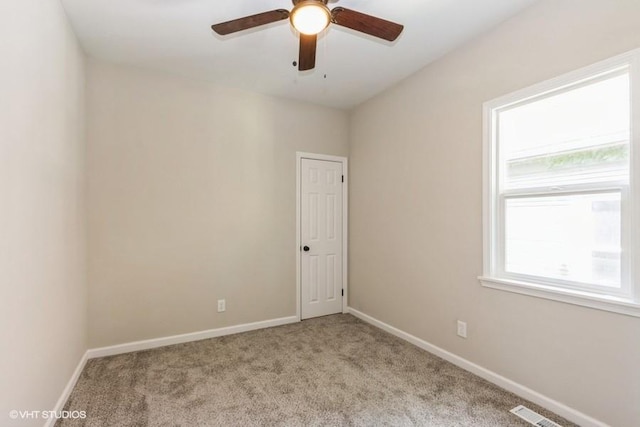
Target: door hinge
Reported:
[(342, 178), (343, 292)]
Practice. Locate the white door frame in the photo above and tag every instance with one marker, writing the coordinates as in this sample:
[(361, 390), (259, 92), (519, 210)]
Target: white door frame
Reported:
[(345, 216)]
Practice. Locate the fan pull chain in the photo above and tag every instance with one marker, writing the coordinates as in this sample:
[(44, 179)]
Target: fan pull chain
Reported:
[(325, 56)]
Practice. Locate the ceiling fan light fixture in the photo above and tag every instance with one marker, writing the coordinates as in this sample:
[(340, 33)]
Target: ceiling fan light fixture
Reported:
[(310, 17)]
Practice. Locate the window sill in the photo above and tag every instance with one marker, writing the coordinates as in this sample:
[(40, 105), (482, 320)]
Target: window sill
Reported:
[(585, 299)]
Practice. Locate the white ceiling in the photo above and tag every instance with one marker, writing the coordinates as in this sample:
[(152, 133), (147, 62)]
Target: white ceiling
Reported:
[(175, 36)]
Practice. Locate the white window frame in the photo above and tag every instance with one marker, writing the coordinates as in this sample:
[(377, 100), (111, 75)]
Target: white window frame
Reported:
[(627, 301)]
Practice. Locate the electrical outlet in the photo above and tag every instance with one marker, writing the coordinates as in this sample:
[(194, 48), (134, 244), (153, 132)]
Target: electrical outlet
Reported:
[(462, 329), (222, 305)]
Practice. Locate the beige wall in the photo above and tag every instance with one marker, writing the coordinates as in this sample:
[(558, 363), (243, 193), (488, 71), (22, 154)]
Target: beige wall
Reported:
[(42, 244), (416, 205), (191, 198)]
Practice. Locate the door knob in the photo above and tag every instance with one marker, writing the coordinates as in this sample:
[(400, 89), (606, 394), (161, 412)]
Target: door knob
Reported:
[(305, 248)]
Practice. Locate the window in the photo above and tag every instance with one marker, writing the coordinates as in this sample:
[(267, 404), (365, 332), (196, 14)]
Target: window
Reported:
[(561, 188)]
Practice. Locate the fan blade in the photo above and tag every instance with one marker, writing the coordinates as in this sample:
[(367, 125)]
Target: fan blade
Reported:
[(252, 21), (307, 57), (367, 24)]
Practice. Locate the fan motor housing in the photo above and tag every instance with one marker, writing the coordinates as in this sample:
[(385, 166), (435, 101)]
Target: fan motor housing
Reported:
[(295, 2)]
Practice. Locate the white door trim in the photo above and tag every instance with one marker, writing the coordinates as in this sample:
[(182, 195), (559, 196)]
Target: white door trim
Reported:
[(345, 216)]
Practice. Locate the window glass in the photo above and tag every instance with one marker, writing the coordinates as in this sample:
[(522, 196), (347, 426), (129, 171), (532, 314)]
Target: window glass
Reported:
[(574, 137), (566, 237)]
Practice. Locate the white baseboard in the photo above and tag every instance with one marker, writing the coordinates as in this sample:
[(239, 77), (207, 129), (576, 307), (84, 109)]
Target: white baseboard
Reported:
[(507, 384), (68, 389), (193, 336)]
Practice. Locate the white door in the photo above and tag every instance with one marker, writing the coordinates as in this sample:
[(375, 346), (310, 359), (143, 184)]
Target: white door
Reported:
[(321, 238)]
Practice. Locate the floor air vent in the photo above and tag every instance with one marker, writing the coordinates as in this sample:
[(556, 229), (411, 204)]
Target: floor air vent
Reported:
[(533, 417)]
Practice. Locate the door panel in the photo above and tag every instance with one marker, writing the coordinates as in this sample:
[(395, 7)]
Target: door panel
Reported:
[(321, 233)]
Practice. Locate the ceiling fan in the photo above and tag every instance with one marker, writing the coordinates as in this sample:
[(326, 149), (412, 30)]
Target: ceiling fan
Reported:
[(309, 18)]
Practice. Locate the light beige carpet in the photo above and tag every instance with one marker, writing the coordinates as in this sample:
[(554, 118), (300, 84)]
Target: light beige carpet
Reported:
[(329, 371)]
